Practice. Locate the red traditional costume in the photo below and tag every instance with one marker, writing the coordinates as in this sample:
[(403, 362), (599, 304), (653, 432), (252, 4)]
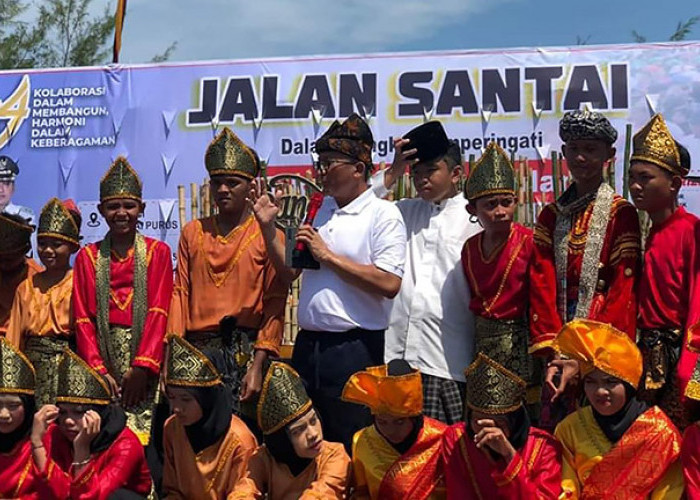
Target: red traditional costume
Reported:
[(14, 238), (669, 302), (644, 461), (117, 464), (499, 282), (380, 471), (470, 472), (121, 303), (587, 251)]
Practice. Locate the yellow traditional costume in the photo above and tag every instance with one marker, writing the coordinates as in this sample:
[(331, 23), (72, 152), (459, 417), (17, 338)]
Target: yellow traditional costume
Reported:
[(380, 471), (275, 472), (645, 461), (205, 459), (41, 320)]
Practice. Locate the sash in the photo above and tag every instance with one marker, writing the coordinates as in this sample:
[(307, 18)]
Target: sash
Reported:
[(637, 462), (109, 344), (416, 473), (595, 238)]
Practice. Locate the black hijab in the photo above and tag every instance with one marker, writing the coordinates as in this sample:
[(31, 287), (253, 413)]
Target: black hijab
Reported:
[(113, 421), (9, 441), (217, 408), (614, 426), (280, 447)]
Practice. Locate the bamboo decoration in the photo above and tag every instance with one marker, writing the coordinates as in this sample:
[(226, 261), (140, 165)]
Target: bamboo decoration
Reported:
[(628, 153), (194, 202), (206, 199), (182, 210), (556, 174)]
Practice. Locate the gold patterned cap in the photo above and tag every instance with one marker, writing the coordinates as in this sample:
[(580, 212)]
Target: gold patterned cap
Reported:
[(492, 388), (78, 383), (228, 155), (655, 144), (57, 221), (282, 399), (15, 234), (16, 372), (121, 181), (188, 366), (492, 174)]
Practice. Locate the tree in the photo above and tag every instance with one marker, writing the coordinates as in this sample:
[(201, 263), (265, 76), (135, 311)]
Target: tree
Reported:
[(682, 31), (63, 33)]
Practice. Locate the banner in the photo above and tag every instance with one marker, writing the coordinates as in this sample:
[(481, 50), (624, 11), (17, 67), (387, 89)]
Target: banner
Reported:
[(65, 126)]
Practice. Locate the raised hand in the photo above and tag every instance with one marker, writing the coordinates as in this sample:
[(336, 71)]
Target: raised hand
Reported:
[(492, 436)]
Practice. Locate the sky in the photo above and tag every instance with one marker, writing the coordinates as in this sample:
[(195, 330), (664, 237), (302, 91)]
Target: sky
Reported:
[(233, 29)]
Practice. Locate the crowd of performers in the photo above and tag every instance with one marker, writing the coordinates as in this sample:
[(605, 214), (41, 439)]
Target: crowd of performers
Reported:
[(444, 351)]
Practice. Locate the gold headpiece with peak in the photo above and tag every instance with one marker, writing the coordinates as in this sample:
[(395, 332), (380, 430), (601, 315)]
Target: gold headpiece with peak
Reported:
[(228, 155), (80, 384), (121, 181), (282, 399), (14, 235), (56, 221), (492, 174), (16, 372), (188, 366), (654, 144), (492, 388)]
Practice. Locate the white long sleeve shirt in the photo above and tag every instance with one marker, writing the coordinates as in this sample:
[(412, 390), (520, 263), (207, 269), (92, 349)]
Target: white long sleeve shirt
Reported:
[(431, 326)]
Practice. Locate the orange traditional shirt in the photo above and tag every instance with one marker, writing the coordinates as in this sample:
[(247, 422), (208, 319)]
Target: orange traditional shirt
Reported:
[(614, 285), (499, 282), (159, 275), (213, 472), (41, 311), (7, 293), (325, 477), (227, 275)]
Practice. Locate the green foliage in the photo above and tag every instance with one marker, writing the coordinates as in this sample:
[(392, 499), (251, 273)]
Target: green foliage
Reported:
[(682, 31)]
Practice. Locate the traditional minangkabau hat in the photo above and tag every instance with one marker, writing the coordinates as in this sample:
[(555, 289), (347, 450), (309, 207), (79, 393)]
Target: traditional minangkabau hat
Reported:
[(492, 174), (586, 125), (431, 141), (16, 372), (8, 169), (282, 399), (382, 393), (121, 181), (655, 144), (188, 366), (57, 221), (352, 138), (599, 345), (492, 388), (228, 155), (15, 234), (80, 384)]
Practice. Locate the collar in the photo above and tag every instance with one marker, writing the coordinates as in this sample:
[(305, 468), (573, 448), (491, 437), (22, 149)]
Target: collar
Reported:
[(456, 200), (357, 205)]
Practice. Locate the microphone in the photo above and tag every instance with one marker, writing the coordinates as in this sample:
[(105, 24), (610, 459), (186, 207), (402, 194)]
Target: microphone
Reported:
[(301, 255)]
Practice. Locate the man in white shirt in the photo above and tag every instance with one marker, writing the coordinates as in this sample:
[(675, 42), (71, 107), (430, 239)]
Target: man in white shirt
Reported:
[(360, 242), (431, 325), (8, 174)]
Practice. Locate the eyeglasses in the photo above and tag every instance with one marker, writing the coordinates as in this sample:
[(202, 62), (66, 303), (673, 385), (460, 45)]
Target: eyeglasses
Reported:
[(325, 166)]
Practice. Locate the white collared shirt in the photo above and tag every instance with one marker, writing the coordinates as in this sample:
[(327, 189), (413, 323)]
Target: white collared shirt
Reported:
[(431, 326), (367, 231)]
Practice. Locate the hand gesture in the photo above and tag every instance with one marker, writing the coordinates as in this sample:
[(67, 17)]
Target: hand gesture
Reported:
[(252, 383), (400, 163), (492, 436), (43, 418), (90, 428), (262, 204), (567, 368), (113, 386)]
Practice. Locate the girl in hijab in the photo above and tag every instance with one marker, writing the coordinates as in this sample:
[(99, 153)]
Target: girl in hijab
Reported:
[(617, 447), (206, 447), (16, 413), (295, 461), (495, 452), (91, 453), (400, 435)]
